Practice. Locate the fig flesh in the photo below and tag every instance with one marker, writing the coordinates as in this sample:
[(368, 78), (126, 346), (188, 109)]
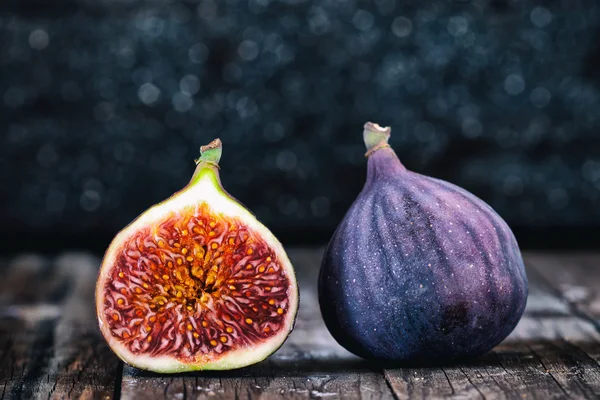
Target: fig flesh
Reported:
[(196, 282), (419, 270)]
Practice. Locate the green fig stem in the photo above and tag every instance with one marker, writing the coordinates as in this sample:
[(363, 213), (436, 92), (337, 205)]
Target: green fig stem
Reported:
[(211, 153), (208, 163), (375, 137)]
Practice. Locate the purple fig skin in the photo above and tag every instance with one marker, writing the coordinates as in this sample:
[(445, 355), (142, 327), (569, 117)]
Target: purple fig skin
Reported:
[(420, 270)]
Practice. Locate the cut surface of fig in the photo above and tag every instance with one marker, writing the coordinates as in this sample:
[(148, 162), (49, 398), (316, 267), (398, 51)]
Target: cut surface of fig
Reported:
[(196, 282)]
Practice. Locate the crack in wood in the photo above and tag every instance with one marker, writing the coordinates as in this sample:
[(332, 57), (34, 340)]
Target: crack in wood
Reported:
[(487, 370), (471, 382), (549, 372), (118, 379), (389, 385), (35, 365), (53, 389), (449, 382)]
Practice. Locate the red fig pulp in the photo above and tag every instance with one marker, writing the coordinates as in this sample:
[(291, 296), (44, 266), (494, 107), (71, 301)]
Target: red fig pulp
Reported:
[(196, 282)]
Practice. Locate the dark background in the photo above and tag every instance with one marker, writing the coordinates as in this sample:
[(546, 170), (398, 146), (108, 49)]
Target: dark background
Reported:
[(103, 105)]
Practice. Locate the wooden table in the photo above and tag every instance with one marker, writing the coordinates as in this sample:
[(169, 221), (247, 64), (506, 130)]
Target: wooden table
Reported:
[(50, 346)]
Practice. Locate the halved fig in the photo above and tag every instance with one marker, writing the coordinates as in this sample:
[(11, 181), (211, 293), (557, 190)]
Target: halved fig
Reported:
[(196, 282)]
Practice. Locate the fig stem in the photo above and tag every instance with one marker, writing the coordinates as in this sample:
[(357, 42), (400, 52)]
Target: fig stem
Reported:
[(375, 137), (208, 163), (211, 153)]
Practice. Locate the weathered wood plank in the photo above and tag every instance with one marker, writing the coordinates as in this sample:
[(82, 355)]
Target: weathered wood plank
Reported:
[(551, 354), (576, 279), (309, 365), (575, 276), (50, 343)]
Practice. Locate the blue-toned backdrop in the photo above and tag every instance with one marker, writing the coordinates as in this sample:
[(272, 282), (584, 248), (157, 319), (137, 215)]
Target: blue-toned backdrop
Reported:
[(103, 105)]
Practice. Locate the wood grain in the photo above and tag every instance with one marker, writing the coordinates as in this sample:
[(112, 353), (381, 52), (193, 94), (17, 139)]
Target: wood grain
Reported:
[(50, 343), (50, 346)]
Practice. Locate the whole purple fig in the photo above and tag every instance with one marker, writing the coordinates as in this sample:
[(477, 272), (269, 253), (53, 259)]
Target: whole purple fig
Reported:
[(419, 270)]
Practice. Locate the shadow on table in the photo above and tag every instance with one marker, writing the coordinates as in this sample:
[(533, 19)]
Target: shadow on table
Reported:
[(278, 368), (513, 354)]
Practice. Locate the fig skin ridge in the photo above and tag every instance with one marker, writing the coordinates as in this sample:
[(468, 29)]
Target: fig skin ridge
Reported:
[(419, 270)]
